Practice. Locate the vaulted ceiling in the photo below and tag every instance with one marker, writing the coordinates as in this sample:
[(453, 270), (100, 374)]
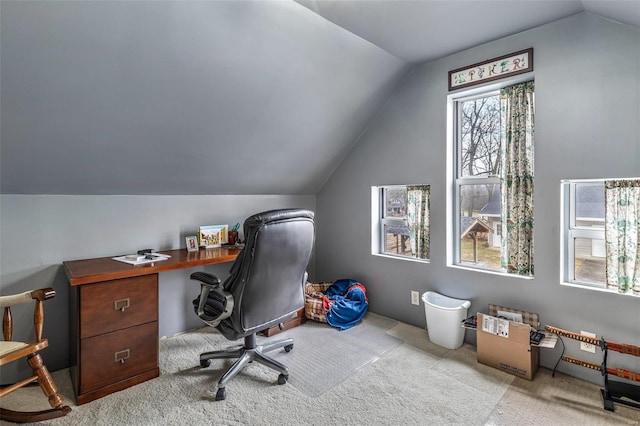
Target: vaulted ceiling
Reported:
[(423, 30), (219, 97)]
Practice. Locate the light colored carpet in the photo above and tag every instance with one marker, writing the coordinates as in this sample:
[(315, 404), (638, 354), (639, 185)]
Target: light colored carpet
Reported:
[(414, 383), (559, 400), (313, 369)]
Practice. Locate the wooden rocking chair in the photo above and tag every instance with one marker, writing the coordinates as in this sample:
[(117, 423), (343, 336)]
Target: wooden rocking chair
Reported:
[(12, 351)]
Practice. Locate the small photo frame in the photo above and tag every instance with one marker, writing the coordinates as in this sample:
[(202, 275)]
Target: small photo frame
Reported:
[(192, 243), (213, 235)]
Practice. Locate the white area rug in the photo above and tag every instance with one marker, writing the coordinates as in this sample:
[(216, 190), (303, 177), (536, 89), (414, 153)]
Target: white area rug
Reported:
[(323, 356)]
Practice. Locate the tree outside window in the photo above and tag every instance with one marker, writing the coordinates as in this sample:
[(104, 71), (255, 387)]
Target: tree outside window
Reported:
[(479, 166)]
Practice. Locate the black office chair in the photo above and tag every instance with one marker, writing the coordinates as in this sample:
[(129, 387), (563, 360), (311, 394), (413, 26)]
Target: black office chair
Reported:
[(265, 287)]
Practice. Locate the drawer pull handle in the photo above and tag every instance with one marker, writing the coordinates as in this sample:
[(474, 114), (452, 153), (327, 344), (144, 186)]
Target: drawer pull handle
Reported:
[(121, 304), (121, 356)]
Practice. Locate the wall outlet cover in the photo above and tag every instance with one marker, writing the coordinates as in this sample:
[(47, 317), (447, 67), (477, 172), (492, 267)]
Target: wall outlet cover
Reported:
[(587, 347)]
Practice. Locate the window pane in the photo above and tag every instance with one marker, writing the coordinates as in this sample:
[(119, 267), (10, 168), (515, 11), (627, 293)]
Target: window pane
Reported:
[(396, 240), (479, 138), (480, 216), (590, 264), (590, 204), (395, 202), (403, 223)]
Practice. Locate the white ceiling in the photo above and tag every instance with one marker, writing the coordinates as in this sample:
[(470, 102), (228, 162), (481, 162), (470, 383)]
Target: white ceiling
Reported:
[(423, 30)]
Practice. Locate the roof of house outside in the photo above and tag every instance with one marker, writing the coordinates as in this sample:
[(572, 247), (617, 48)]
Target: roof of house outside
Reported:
[(493, 207), (473, 224), (398, 229)]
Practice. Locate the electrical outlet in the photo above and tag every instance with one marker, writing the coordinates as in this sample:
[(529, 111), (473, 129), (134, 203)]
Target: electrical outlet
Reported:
[(415, 298), (587, 347)]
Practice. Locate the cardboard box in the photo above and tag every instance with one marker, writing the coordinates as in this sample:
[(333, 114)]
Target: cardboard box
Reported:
[(504, 345)]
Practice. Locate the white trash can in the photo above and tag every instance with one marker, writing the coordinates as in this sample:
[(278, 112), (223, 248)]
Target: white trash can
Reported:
[(444, 318)]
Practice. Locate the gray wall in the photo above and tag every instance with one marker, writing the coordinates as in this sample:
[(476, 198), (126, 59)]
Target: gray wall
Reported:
[(39, 232), (587, 125), (587, 95)]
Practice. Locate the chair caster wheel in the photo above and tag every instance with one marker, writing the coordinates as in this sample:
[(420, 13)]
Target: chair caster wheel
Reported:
[(288, 348), (221, 394), (282, 379), (205, 363)]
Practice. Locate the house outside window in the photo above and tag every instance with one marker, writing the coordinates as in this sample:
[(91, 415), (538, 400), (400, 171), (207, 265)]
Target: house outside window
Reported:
[(401, 221)]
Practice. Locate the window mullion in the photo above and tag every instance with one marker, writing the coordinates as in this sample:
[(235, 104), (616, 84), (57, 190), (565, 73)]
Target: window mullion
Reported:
[(492, 180)]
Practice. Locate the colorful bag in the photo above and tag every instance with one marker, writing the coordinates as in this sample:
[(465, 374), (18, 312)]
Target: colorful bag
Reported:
[(313, 295)]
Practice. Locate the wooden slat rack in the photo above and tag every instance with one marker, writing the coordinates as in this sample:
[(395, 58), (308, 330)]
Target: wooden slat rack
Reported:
[(615, 391)]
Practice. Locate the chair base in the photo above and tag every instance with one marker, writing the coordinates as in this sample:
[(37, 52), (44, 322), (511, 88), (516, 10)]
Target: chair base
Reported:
[(49, 388), (245, 354), (33, 416)]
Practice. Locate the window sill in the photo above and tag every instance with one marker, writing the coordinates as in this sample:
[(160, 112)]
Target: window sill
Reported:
[(408, 259), (489, 271), (598, 289)]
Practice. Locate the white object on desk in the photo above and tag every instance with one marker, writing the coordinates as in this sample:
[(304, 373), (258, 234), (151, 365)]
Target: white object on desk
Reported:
[(133, 259)]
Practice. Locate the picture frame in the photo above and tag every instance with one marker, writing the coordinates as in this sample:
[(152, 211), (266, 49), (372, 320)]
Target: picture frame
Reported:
[(493, 69), (192, 243), (212, 236)]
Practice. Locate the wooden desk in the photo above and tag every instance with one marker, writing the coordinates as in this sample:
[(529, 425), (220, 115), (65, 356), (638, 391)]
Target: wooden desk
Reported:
[(114, 319), (105, 268)]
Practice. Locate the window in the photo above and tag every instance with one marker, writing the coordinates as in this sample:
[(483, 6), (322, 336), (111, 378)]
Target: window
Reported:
[(490, 141), (401, 221), (583, 228), (478, 182), (600, 234)]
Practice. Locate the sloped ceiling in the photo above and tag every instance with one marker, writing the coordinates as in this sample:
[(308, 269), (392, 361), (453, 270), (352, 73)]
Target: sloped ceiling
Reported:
[(157, 97), (219, 97), (422, 30)]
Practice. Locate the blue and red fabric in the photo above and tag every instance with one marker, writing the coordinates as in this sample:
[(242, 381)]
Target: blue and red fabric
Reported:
[(345, 303)]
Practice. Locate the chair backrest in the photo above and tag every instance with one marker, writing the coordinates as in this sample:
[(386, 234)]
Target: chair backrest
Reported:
[(267, 279)]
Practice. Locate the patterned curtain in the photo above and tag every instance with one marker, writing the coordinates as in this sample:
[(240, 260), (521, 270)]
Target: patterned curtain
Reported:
[(516, 181), (622, 235), (418, 200)]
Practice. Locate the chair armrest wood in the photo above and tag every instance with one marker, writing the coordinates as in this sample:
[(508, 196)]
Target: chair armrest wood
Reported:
[(26, 297), (43, 294), (39, 296)]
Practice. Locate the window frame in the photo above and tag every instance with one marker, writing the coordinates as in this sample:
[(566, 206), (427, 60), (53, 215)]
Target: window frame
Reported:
[(380, 221), (569, 231), (452, 165), (460, 181)]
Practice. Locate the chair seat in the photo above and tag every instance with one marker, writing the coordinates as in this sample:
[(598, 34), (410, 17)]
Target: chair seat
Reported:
[(11, 351), (6, 347)]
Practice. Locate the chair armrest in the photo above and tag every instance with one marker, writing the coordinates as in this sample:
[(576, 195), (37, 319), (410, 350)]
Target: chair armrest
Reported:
[(7, 302), (205, 277), (43, 294), (213, 304), (26, 297)]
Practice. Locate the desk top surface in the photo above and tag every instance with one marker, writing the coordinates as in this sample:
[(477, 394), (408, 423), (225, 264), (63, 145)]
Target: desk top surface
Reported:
[(86, 271)]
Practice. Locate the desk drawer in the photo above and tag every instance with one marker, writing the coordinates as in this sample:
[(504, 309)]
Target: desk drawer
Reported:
[(116, 356), (113, 305)]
